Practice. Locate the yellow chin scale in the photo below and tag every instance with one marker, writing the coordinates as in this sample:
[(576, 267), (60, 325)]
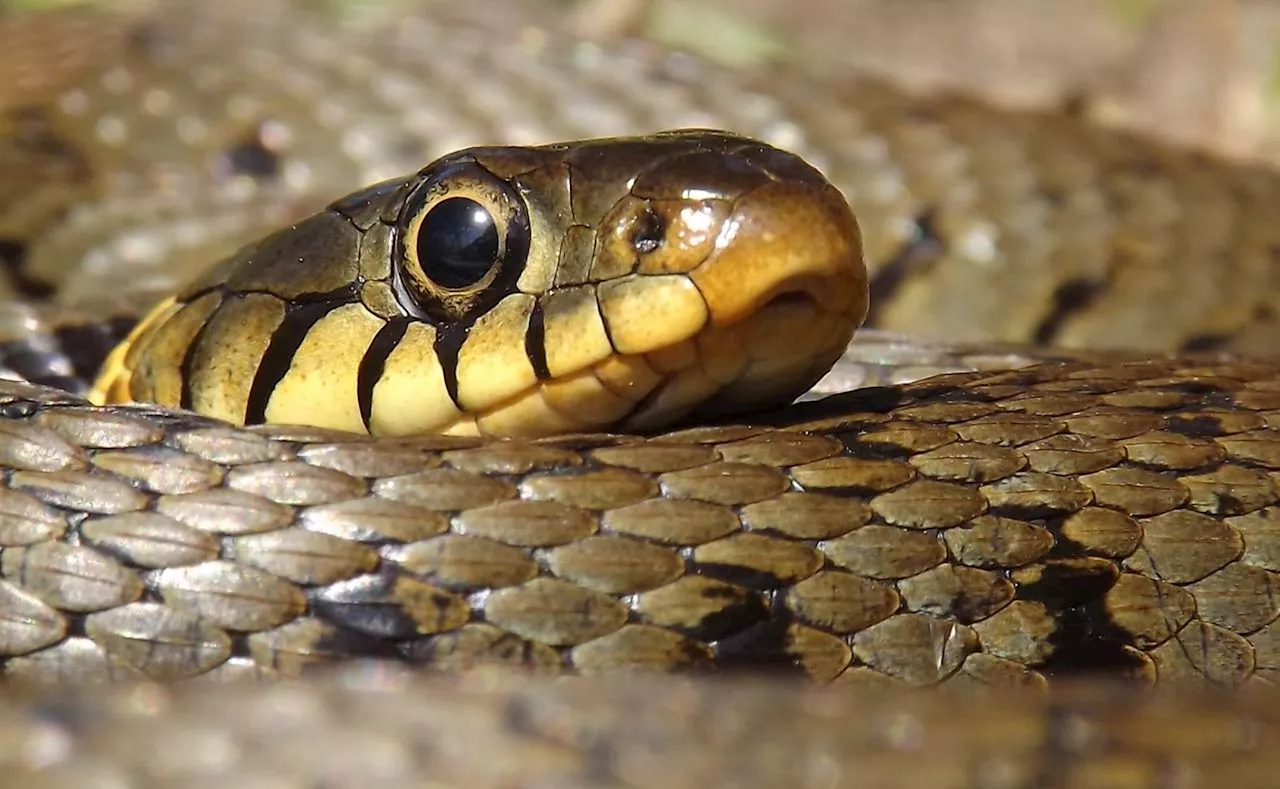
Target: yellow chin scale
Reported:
[(489, 294)]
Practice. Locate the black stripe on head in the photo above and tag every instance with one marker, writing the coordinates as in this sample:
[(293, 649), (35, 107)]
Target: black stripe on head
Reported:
[(285, 341), (535, 342), (450, 338), (448, 345), (374, 362)]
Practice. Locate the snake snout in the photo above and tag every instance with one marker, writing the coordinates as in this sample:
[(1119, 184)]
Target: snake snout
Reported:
[(784, 291)]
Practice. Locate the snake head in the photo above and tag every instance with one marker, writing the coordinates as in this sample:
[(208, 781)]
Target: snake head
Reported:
[(623, 283)]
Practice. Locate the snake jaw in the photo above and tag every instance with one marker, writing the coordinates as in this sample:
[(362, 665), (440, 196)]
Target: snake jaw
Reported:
[(768, 358)]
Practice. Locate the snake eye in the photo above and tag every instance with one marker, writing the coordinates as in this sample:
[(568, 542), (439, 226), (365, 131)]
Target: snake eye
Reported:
[(458, 242), (463, 232)]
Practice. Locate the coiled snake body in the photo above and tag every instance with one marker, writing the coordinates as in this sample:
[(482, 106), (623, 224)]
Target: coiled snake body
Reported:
[(1007, 528)]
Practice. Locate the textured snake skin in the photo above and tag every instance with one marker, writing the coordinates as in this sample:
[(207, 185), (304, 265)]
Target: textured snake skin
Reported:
[(1006, 530)]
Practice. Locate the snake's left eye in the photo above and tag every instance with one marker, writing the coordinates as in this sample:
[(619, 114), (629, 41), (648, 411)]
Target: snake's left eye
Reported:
[(458, 242), (460, 232)]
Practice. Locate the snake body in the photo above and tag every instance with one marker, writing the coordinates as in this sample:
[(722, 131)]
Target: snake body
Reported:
[(1013, 529)]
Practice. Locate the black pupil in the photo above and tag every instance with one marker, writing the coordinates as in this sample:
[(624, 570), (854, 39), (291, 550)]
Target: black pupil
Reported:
[(457, 242)]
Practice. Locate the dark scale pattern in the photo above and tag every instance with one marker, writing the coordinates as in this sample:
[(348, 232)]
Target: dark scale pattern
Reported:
[(972, 531), (1002, 528)]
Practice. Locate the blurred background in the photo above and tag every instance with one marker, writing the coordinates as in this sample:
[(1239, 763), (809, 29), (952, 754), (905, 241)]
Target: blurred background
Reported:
[(1202, 71)]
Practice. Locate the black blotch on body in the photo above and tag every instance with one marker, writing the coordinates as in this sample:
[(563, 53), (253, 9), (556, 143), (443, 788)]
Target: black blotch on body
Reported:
[(1084, 641), (869, 449), (742, 610), (738, 575), (916, 257), (1195, 425), (1087, 655), (1201, 388), (366, 605), (1066, 585), (1071, 298), (507, 649), (762, 648), (344, 643)]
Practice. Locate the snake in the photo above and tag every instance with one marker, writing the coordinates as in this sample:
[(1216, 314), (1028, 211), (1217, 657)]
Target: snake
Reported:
[(1047, 563)]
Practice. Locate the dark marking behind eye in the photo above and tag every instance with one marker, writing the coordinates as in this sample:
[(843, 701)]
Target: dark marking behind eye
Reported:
[(649, 231)]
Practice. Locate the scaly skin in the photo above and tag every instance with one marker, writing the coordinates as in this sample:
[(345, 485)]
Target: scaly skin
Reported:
[(984, 529), (977, 224)]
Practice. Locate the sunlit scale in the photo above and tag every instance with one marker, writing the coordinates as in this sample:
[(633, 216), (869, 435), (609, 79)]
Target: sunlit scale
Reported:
[(609, 284)]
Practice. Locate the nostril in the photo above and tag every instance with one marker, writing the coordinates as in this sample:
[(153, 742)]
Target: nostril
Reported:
[(791, 297)]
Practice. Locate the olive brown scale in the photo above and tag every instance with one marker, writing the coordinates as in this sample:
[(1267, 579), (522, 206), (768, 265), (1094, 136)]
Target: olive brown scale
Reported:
[(615, 283)]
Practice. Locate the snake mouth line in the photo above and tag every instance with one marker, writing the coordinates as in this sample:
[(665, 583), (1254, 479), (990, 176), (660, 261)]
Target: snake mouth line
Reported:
[(767, 358)]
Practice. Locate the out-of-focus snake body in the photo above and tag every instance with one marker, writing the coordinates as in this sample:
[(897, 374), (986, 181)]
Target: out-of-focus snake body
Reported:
[(985, 528)]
